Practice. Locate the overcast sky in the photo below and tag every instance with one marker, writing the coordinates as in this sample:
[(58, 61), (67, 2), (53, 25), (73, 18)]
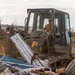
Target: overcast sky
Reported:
[(14, 11)]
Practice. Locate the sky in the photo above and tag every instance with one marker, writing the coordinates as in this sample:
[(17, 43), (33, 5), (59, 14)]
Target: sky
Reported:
[(14, 11)]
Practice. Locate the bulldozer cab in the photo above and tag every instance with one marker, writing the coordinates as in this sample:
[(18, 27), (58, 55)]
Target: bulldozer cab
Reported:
[(58, 40)]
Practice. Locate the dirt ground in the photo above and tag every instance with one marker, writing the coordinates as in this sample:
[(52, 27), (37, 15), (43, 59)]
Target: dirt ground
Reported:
[(73, 44)]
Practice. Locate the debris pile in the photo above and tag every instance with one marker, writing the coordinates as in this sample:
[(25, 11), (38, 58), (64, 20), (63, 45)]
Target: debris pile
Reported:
[(31, 65), (6, 69)]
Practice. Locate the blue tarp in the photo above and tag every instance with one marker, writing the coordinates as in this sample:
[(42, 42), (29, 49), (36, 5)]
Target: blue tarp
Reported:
[(16, 62)]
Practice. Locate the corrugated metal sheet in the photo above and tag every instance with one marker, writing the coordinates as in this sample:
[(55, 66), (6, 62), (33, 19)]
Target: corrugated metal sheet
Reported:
[(70, 70), (23, 48)]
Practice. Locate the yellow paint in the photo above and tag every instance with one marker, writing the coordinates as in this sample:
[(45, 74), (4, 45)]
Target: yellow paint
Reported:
[(41, 49), (34, 44)]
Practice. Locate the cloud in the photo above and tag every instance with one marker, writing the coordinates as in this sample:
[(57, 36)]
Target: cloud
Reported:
[(16, 9)]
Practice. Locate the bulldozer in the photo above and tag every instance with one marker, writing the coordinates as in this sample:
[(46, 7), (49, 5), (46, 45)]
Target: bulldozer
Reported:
[(55, 45), (60, 43)]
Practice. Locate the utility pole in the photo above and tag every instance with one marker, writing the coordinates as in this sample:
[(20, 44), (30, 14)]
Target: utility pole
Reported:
[(0, 23)]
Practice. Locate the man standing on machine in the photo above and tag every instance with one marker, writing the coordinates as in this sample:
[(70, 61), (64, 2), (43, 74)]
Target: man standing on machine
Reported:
[(48, 27)]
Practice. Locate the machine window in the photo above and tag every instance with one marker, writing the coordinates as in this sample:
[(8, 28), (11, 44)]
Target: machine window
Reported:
[(67, 22), (56, 27), (67, 29), (31, 23), (42, 21), (38, 22), (56, 24)]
